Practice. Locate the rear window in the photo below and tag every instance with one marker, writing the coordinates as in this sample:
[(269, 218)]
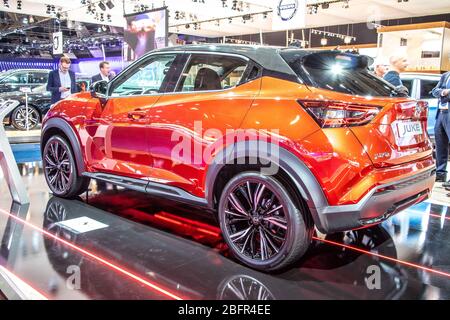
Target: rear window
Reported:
[(341, 72)]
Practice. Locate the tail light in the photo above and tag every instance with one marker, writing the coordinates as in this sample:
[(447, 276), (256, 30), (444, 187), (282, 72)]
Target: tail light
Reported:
[(336, 114), (417, 110)]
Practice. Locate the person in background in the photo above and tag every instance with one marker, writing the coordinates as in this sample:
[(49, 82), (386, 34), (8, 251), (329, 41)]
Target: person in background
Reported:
[(105, 73), (82, 86), (398, 64), (61, 82), (442, 128), (380, 69)]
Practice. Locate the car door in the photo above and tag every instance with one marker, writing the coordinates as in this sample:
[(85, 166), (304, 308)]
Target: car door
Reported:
[(212, 96), (120, 133), (426, 86)]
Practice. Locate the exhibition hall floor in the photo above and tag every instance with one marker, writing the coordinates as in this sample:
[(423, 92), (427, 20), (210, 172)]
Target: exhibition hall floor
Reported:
[(130, 246)]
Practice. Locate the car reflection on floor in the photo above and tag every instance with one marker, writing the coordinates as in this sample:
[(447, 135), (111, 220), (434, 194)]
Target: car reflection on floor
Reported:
[(154, 249)]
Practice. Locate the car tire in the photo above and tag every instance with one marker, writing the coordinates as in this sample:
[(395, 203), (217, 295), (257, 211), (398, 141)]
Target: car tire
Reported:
[(18, 118), (266, 229), (60, 169)]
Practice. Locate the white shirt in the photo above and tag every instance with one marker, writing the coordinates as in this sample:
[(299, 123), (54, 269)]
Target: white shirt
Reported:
[(66, 82), (105, 78)]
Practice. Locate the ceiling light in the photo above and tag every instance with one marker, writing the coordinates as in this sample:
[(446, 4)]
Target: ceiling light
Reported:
[(324, 41), (102, 6), (110, 4)]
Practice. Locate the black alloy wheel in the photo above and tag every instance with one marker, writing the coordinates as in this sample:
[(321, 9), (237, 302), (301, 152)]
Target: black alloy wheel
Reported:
[(23, 119), (261, 223), (60, 169)]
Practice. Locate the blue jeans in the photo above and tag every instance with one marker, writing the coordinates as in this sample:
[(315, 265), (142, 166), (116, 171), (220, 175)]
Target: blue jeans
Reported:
[(442, 136)]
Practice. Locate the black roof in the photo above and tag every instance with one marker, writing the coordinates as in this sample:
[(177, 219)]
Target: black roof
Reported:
[(267, 56)]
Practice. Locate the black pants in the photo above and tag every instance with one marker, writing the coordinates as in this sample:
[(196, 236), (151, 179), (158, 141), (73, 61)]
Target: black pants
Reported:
[(442, 136)]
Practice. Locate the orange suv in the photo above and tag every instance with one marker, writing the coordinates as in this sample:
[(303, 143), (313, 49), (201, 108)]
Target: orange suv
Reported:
[(273, 141)]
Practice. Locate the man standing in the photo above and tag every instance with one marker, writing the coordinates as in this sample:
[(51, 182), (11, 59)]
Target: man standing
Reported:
[(61, 83), (442, 127), (398, 65), (105, 72)]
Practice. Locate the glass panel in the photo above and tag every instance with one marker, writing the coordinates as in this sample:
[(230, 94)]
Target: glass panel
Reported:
[(17, 78), (341, 72), (408, 83), (37, 77), (426, 86), (147, 78), (212, 72)]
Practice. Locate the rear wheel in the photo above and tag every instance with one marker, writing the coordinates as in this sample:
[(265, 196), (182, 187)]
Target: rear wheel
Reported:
[(23, 119), (261, 223), (60, 169)]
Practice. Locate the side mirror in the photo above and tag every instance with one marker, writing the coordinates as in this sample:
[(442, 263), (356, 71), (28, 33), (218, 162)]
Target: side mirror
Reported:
[(99, 89)]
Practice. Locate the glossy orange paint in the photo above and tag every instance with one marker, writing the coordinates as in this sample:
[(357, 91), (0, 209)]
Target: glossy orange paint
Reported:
[(138, 136)]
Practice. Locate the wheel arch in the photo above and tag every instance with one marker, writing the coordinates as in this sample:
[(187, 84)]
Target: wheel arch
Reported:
[(293, 169), (60, 126)]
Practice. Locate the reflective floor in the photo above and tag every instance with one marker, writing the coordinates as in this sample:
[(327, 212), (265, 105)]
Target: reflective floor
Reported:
[(148, 248)]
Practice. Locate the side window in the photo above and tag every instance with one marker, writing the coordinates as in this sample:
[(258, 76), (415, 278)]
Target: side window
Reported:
[(426, 86), (211, 72), (408, 83), (37, 77), (146, 78), (18, 78)]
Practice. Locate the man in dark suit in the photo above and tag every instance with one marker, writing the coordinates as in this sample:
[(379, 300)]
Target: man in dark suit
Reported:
[(61, 83), (105, 72), (442, 127)]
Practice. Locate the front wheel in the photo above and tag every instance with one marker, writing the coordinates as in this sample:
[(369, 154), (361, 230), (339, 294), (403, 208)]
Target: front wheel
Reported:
[(60, 169), (261, 222), (25, 119)]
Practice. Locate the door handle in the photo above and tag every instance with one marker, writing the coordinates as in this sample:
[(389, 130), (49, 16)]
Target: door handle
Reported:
[(136, 115)]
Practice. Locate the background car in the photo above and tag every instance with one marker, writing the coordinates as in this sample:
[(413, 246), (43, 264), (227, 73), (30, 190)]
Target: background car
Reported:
[(39, 102), (420, 86), (14, 80)]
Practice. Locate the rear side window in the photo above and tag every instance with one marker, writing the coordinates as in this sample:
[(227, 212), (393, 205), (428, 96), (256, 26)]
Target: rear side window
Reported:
[(340, 72), (37, 77), (426, 86)]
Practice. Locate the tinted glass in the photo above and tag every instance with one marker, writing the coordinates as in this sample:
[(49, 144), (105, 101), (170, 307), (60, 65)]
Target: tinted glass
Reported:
[(408, 83), (341, 72), (146, 78), (17, 78), (426, 86), (37, 77), (212, 72)]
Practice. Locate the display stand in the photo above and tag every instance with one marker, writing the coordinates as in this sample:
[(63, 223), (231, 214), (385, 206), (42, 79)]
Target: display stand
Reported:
[(7, 160)]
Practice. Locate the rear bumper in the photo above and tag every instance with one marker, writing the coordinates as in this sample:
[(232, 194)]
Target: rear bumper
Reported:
[(379, 204)]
